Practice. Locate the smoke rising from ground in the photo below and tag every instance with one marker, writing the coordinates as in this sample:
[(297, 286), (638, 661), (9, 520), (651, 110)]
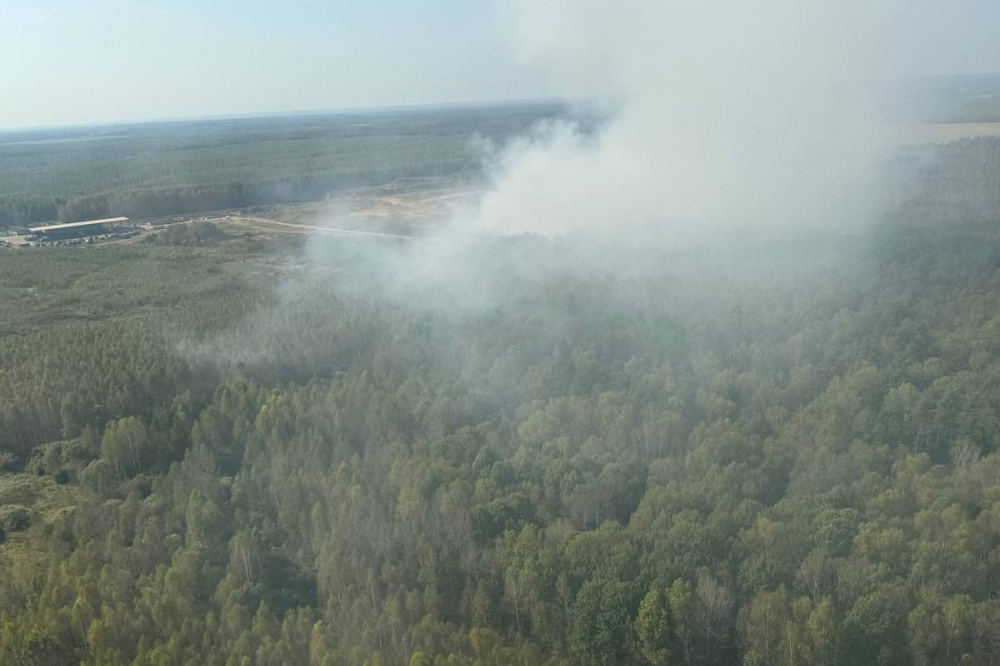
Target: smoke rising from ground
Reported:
[(734, 114), (754, 117)]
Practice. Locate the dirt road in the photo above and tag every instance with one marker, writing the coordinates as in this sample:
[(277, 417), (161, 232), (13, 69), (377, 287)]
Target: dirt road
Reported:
[(329, 230)]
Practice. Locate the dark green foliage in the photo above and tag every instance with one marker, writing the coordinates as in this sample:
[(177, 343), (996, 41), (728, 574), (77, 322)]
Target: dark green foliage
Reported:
[(15, 518), (835, 530), (602, 621), (877, 631), (508, 513)]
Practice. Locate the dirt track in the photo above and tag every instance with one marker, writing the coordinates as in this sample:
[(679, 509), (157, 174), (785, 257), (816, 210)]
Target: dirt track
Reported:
[(330, 230)]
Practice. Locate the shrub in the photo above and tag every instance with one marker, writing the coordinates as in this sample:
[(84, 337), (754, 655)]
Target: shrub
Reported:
[(15, 518)]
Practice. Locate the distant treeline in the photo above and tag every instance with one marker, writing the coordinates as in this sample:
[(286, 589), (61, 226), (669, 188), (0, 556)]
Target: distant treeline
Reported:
[(163, 169), (179, 168)]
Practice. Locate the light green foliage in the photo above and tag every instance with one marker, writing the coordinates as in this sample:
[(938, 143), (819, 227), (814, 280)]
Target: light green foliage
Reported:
[(126, 446), (653, 628)]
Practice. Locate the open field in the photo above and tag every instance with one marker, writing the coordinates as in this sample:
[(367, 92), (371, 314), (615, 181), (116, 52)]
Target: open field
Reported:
[(394, 211), (406, 201), (405, 207)]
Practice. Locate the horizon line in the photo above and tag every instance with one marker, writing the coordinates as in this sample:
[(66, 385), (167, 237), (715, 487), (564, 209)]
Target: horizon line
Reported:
[(249, 115)]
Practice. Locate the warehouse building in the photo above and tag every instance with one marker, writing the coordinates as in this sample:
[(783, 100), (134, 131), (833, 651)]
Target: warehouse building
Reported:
[(77, 229)]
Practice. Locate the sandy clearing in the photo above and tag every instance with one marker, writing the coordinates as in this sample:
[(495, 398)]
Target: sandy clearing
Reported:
[(330, 230)]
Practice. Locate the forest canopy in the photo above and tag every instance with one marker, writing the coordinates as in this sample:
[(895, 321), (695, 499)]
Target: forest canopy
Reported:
[(775, 452), (225, 449)]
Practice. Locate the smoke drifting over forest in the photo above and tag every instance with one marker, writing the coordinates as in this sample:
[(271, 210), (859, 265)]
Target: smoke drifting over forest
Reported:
[(732, 115)]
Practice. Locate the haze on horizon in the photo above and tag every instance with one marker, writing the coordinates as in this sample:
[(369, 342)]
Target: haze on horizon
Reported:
[(73, 62)]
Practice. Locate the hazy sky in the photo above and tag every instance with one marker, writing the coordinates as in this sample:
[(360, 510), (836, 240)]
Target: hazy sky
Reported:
[(80, 61)]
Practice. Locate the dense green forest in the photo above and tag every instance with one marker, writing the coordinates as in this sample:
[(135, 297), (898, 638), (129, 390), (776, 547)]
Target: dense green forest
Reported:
[(229, 451), (161, 169)]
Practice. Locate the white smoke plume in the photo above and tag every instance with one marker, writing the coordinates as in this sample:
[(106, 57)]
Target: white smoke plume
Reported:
[(733, 114)]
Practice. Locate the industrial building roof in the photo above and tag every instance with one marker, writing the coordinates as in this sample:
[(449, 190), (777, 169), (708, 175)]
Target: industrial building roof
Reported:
[(74, 225)]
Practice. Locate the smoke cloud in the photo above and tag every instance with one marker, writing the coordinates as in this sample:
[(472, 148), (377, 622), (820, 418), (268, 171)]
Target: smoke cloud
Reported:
[(732, 114)]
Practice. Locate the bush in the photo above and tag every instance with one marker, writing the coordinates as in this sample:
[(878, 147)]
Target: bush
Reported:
[(15, 518), (8, 462)]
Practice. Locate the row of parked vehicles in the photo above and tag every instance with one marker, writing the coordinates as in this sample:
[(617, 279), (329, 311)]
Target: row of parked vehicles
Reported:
[(86, 240)]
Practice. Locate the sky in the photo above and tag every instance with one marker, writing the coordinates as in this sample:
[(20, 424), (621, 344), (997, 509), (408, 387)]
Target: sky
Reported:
[(96, 61)]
